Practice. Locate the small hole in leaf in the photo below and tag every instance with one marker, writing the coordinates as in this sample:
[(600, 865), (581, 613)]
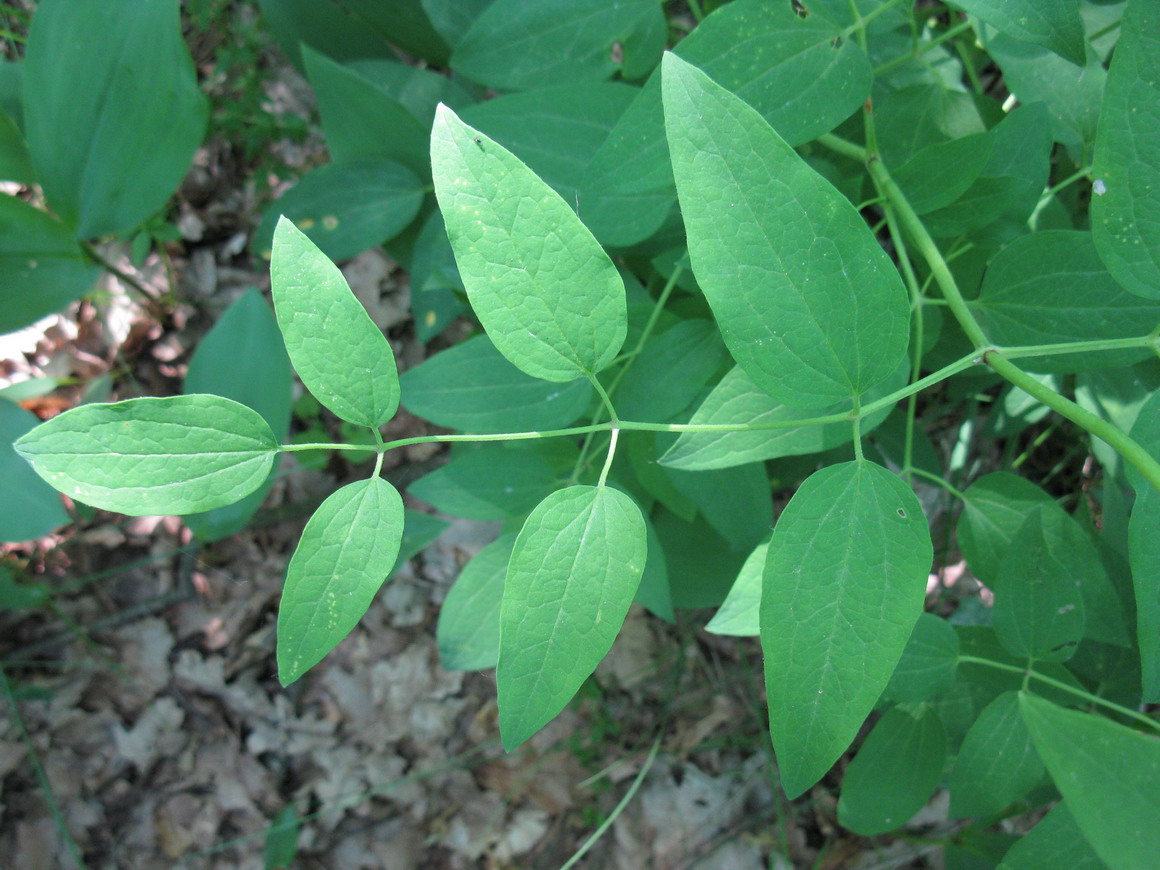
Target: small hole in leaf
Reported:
[(616, 54), (799, 9), (902, 513)]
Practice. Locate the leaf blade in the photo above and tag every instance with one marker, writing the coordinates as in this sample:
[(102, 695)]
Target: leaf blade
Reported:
[(332, 341), (573, 573), (852, 550), (752, 209), (345, 554), (175, 455), (549, 297)]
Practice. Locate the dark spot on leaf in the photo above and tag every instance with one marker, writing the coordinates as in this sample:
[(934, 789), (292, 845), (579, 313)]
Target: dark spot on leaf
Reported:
[(836, 43), (902, 513), (799, 9)]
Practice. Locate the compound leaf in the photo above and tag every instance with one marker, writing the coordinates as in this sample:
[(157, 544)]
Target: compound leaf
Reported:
[(341, 356), (176, 455), (1126, 216), (997, 763), (808, 303), (111, 132), (844, 584), (878, 793), (1108, 775), (345, 554), (572, 576), (549, 297)]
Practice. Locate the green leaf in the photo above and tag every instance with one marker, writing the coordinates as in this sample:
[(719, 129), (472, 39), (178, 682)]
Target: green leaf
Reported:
[(1126, 216), (701, 565), (1054, 24), (419, 531), (671, 371), (1039, 608), (735, 501), (914, 117), (556, 310), (844, 584), (494, 482), (15, 161), (1051, 287), (784, 66), (472, 387), (1108, 775), (1055, 842), (809, 304), (940, 173), (740, 613), (453, 18), (468, 631), (111, 132), (1008, 190), (654, 593), (419, 90), (737, 400), (342, 225), (1144, 554), (346, 552), (556, 130), (41, 266), (997, 764), (362, 121), (282, 839), (995, 508), (878, 793), (573, 574), (1072, 94), (176, 455), (515, 45), (30, 507), (242, 358), (929, 662), (341, 356), (21, 596)]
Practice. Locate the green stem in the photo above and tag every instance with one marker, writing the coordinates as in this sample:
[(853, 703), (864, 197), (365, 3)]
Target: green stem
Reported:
[(921, 50), (619, 808), (1028, 673), (603, 398), (41, 775), (611, 455), (916, 229), (934, 478), (379, 447), (1096, 425)]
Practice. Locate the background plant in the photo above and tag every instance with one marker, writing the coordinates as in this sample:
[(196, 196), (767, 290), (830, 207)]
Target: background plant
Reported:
[(759, 333)]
